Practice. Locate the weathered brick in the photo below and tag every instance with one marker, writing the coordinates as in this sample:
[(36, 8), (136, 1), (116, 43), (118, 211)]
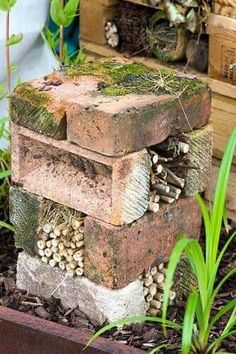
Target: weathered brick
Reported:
[(115, 190), (40, 105), (117, 125), (98, 303), (115, 256), (107, 107), (25, 210), (199, 158)]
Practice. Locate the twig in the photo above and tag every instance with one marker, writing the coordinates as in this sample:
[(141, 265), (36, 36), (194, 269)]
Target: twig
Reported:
[(61, 57), (8, 60)]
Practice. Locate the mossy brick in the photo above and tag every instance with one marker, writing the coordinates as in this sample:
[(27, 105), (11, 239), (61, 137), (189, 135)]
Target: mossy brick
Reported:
[(199, 158), (115, 256), (135, 107), (24, 215), (40, 105), (112, 189), (112, 107)]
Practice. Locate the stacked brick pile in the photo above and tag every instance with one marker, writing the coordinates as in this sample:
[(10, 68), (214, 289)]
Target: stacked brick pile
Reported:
[(85, 145)]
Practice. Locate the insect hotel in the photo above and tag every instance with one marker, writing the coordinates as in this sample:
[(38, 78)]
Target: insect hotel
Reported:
[(106, 160), (197, 37)]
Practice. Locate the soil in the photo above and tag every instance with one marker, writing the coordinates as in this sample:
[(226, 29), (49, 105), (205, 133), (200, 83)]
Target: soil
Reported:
[(144, 336)]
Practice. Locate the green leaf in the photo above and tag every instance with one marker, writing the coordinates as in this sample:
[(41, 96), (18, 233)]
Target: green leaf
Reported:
[(219, 340), (155, 350), (6, 5), (14, 39), (189, 316), (174, 259), (5, 174), (7, 226), (231, 304), (57, 13), (71, 8), (129, 320), (220, 193)]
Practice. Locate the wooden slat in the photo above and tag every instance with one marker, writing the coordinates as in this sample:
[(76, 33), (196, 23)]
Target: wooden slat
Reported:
[(24, 334), (231, 193)]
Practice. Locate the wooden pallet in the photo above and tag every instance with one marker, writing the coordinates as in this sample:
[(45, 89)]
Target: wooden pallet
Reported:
[(21, 333)]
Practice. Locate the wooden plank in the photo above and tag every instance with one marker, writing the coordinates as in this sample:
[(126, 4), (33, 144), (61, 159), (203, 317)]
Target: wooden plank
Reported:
[(223, 119), (231, 193), (142, 3), (21, 333), (224, 8)]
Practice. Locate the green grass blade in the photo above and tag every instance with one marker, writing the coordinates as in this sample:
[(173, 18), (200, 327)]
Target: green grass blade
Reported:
[(220, 192), (213, 347), (155, 350), (217, 264), (226, 308), (208, 229), (231, 322), (4, 174), (189, 316), (6, 226), (129, 320), (195, 254), (225, 278), (173, 261)]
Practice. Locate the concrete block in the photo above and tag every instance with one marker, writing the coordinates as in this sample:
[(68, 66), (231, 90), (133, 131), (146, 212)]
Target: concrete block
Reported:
[(99, 303)]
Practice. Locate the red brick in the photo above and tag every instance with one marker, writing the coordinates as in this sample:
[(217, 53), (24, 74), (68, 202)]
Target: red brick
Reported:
[(115, 256), (115, 190), (81, 110), (115, 126)]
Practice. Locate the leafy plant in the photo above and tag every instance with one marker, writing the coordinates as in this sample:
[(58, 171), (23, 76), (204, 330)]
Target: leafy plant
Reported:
[(63, 16), (7, 5), (199, 321), (53, 41)]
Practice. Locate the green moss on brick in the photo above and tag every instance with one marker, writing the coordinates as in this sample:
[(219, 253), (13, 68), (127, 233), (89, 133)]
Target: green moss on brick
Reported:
[(120, 79), (24, 215), (29, 109)]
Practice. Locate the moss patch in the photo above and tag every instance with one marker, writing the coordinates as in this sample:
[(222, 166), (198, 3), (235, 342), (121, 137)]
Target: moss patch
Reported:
[(32, 94), (119, 79)]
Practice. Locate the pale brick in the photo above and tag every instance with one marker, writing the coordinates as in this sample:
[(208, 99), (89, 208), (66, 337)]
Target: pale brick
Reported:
[(97, 302)]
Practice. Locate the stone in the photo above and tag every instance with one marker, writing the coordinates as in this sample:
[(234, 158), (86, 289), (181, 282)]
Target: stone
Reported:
[(115, 256), (115, 190), (25, 210), (97, 302)]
